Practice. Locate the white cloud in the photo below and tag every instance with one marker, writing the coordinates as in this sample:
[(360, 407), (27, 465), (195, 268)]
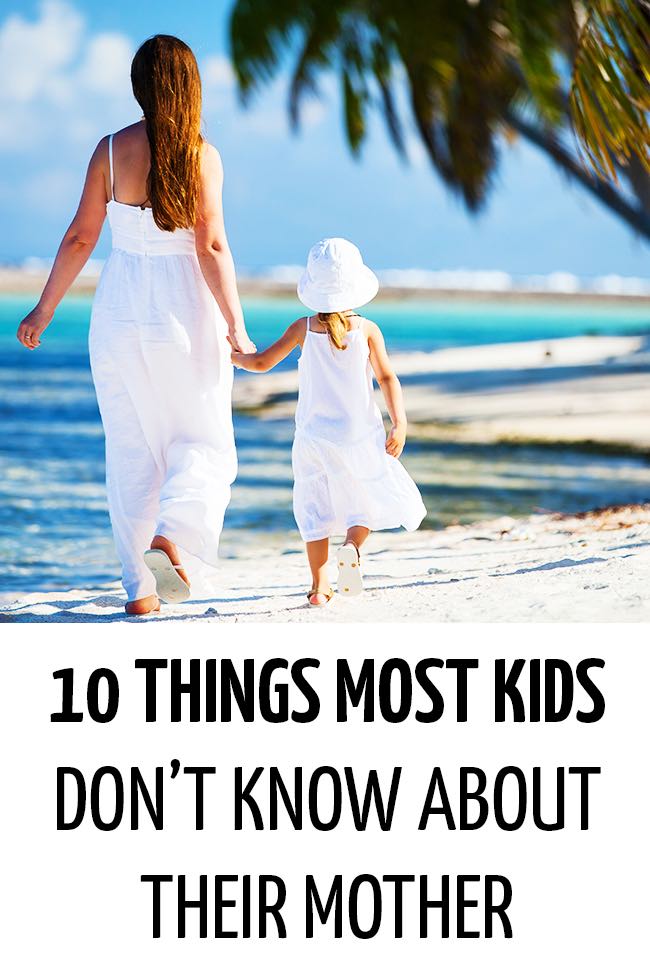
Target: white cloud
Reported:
[(33, 54), (106, 67), (57, 80), (216, 72)]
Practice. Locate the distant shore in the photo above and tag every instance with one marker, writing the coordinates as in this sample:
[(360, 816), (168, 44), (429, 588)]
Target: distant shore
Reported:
[(20, 281)]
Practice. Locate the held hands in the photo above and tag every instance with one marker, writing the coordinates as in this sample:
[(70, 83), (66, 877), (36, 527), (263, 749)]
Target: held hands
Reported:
[(238, 359), (396, 439), (240, 342), (32, 327)]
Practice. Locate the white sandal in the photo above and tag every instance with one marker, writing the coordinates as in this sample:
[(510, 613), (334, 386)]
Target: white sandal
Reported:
[(350, 581), (328, 593), (169, 585)]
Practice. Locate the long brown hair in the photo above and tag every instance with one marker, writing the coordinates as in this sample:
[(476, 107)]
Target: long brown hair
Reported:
[(337, 327), (167, 86)]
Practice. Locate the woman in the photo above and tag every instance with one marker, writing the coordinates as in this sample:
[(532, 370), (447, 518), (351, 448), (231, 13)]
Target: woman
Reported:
[(165, 316)]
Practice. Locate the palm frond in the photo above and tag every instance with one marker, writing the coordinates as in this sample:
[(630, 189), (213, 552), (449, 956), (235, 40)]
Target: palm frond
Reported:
[(354, 105), (314, 55), (610, 90), (382, 71), (533, 31), (473, 71), (260, 32)]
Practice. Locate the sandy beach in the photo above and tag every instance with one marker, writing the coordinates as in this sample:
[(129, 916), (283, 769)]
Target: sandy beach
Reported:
[(588, 389), (594, 568), (591, 392)]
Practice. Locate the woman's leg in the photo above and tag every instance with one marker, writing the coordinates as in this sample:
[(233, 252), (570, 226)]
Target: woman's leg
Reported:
[(317, 554), (168, 547), (132, 475), (193, 433)]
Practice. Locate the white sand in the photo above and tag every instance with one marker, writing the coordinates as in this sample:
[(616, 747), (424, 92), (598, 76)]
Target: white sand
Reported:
[(543, 569), (540, 569)]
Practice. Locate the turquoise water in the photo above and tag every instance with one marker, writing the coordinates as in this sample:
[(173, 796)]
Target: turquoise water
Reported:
[(407, 325), (54, 528)]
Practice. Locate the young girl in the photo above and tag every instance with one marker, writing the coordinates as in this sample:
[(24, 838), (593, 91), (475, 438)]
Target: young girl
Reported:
[(348, 480)]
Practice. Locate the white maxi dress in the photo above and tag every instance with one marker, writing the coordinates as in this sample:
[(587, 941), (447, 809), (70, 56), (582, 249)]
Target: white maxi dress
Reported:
[(161, 367), (342, 473)]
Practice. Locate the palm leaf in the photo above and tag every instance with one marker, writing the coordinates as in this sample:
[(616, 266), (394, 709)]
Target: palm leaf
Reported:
[(473, 72), (610, 91), (536, 33), (260, 33), (382, 71), (320, 37)]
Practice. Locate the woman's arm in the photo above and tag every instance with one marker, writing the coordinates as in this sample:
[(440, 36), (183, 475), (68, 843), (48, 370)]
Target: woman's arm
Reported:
[(213, 251), (390, 387), (263, 361), (76, 247)]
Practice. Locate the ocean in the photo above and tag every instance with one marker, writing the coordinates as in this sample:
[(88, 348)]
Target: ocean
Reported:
[(54, 526)]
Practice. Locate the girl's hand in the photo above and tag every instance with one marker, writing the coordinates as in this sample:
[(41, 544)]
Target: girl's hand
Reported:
[(32, 327), (396, 439), (240, 341), (237, 359)]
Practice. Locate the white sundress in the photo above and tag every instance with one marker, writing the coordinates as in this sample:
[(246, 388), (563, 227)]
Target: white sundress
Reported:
[(161, 366), (342, 473)]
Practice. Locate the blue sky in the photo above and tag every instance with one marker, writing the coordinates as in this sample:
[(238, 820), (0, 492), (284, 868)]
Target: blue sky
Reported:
[(64, 84)]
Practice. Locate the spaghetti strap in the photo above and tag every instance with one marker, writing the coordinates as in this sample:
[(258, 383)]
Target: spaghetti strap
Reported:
[(110, 163)]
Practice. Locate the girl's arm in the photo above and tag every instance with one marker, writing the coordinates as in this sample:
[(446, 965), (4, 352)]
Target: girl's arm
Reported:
[(213, 251), (390, 387), (263, 361), (76, 247)]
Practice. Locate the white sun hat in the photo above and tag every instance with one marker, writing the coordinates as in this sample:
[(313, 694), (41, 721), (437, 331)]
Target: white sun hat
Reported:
[(336, 277)]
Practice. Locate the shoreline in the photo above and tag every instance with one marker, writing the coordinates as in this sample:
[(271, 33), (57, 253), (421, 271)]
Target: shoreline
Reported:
[(579, 396), (591, 567), (20, 282), (585, 390)]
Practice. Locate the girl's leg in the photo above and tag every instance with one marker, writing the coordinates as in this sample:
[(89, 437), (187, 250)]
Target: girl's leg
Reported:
[(350, 581), (357, 535), (317, 554)]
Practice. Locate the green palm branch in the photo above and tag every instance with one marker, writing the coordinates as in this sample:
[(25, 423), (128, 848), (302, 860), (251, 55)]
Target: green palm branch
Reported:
[(610, 90), (472, 71)]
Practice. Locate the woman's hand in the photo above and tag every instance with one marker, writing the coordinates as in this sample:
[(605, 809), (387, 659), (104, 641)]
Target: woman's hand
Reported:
[(240, 341), (32, 327), (396, 439), (75, 249)]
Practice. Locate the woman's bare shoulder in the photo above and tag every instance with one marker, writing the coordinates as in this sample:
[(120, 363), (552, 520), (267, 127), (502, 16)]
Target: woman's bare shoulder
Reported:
[(131, 140), (210, 157), (136, 132), (101, 149)]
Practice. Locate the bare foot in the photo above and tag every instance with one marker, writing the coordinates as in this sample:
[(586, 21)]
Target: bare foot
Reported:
[(140, 607), (164, 544)]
